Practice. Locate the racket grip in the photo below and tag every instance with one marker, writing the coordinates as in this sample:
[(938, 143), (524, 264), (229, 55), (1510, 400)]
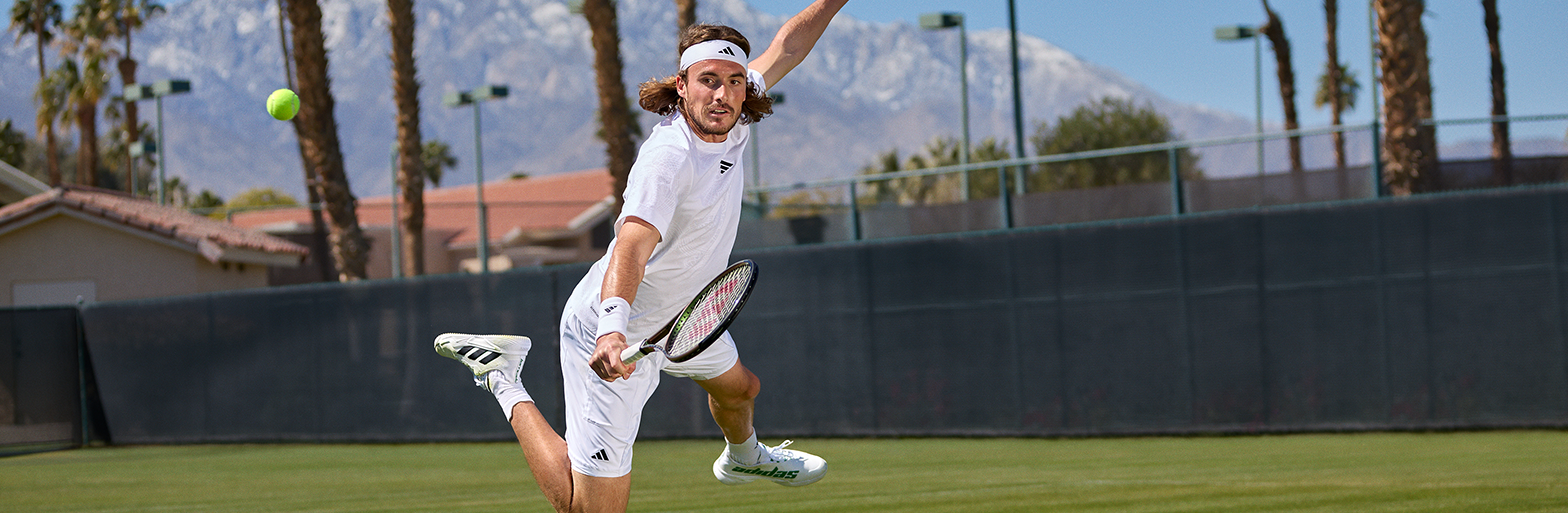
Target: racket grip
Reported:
[(632, 354)]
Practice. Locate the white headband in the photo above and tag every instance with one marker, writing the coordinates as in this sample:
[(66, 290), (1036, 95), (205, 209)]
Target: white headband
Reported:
[(712, 49)]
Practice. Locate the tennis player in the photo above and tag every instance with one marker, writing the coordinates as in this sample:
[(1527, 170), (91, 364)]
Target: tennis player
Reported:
[(674, 234)]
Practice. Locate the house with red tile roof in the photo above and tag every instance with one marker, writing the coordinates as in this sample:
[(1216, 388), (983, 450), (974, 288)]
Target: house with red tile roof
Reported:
[(75, 243), (539, 220)]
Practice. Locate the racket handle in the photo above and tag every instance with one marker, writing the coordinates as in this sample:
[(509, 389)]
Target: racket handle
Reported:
[(632, 354)]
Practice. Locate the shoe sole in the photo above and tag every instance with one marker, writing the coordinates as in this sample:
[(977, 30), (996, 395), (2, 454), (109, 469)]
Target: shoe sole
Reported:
[(743, 479)]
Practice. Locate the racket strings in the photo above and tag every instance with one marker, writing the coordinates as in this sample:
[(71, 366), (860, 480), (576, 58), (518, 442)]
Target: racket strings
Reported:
[(709, 313)]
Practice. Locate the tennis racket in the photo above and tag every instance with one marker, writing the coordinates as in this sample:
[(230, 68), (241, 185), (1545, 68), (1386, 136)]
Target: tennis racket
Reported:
[(701, 323)]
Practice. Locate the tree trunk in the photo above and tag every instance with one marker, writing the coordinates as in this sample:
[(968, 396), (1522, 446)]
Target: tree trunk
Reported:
[(685, 15), (87, 149), (1502, 151), (615, 114), (318, 137), (51, 150), (318, 226), (1409, 147), (1336, 95), (1275, 30), (127, 67), (410, 175)]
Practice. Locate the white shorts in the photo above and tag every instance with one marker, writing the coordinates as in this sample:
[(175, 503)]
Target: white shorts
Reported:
[(602, 417)]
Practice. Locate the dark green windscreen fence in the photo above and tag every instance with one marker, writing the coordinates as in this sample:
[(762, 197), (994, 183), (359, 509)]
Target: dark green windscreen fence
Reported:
[(40, 386), (1432, 312)]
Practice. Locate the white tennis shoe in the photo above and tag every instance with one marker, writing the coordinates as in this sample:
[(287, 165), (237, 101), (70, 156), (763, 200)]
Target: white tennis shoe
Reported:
[(492, 358), (783, 466)]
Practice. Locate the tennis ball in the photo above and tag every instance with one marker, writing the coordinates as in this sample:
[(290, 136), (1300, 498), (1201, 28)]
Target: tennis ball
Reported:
[(282, 104)]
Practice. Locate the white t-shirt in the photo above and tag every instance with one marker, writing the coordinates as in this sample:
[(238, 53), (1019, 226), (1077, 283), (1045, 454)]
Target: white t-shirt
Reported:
[(691, 191)]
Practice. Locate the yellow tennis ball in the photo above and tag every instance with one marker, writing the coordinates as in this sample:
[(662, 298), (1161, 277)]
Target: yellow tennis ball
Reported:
[(283, 104)]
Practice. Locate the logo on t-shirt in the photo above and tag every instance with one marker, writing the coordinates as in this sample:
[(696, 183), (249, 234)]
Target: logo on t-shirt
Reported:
[(725, 165)]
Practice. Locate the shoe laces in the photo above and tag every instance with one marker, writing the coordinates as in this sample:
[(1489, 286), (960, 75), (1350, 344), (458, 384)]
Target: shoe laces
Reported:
[(780, 454)]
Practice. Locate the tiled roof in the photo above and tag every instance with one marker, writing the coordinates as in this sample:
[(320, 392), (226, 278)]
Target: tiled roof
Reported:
[(534, 206), (203, 235)]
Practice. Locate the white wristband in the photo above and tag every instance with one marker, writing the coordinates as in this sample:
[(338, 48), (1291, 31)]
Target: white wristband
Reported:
[(613, 315)]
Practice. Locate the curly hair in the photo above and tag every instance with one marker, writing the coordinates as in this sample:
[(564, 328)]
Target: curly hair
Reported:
[(659, 95)]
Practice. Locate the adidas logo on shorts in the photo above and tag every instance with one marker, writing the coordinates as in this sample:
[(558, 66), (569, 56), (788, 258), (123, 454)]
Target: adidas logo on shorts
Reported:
[(601, 456)]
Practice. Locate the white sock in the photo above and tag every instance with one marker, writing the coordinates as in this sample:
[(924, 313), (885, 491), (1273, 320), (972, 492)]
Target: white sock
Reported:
[(747, 452), (508, 394)]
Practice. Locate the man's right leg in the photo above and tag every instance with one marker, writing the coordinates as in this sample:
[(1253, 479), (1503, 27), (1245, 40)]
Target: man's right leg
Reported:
[(566, 489), (496, 362)]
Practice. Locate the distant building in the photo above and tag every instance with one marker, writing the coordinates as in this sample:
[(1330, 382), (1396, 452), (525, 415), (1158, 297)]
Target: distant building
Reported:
[(552, 219), (75, 244)]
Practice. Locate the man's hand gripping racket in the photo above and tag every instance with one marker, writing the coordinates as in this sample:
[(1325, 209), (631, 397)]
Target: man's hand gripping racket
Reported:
[(703, 320)]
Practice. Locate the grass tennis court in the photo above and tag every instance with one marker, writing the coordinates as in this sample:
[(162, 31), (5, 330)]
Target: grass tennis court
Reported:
[(1470, 472)]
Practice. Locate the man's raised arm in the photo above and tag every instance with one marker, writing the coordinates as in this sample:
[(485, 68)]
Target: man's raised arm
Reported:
[(795, 40)]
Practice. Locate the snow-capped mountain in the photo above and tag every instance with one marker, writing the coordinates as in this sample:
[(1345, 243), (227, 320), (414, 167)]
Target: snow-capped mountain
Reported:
[(866, 88)]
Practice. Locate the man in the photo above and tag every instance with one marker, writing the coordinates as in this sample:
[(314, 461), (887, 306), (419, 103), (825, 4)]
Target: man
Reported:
[(675, 233)]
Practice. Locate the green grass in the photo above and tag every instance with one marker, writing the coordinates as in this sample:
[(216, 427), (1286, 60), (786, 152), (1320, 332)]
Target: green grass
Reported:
[(1469, 472)]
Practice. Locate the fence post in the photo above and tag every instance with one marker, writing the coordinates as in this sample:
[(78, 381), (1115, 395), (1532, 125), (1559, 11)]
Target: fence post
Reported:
[(854, 213), (1177, 200), (1006, 199), (1377, 157)]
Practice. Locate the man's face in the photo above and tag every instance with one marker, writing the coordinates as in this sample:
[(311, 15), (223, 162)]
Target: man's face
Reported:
[(713, 91)]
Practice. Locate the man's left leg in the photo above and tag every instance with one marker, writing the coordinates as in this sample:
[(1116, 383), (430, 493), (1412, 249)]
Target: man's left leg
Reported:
[(732, 399)]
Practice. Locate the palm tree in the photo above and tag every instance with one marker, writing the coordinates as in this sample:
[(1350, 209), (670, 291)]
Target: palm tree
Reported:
[(685, 15), (86, 32), (1409, 146), (1502, 152), (1337, 89), (410, 177), (1275, 30), (435, 160), (52, 94), (38, 18), (318, 139), (128, 16), (318, 225), (615, 115), (1329, 90)]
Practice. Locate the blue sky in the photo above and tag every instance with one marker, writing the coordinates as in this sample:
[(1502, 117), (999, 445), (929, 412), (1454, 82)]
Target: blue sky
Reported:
[(1169, 45)]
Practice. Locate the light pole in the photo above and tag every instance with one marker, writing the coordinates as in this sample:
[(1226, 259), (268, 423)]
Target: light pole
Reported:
[(1377, 113), (1237, 33), (1018, 118), (156, 91), (942, 20), (137, 149), (459, 99)]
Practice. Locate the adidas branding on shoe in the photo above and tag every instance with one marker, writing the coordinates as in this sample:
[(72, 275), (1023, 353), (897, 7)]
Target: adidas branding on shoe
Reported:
[(780, 465), (767, 473), (479, 355), (492, 359)]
